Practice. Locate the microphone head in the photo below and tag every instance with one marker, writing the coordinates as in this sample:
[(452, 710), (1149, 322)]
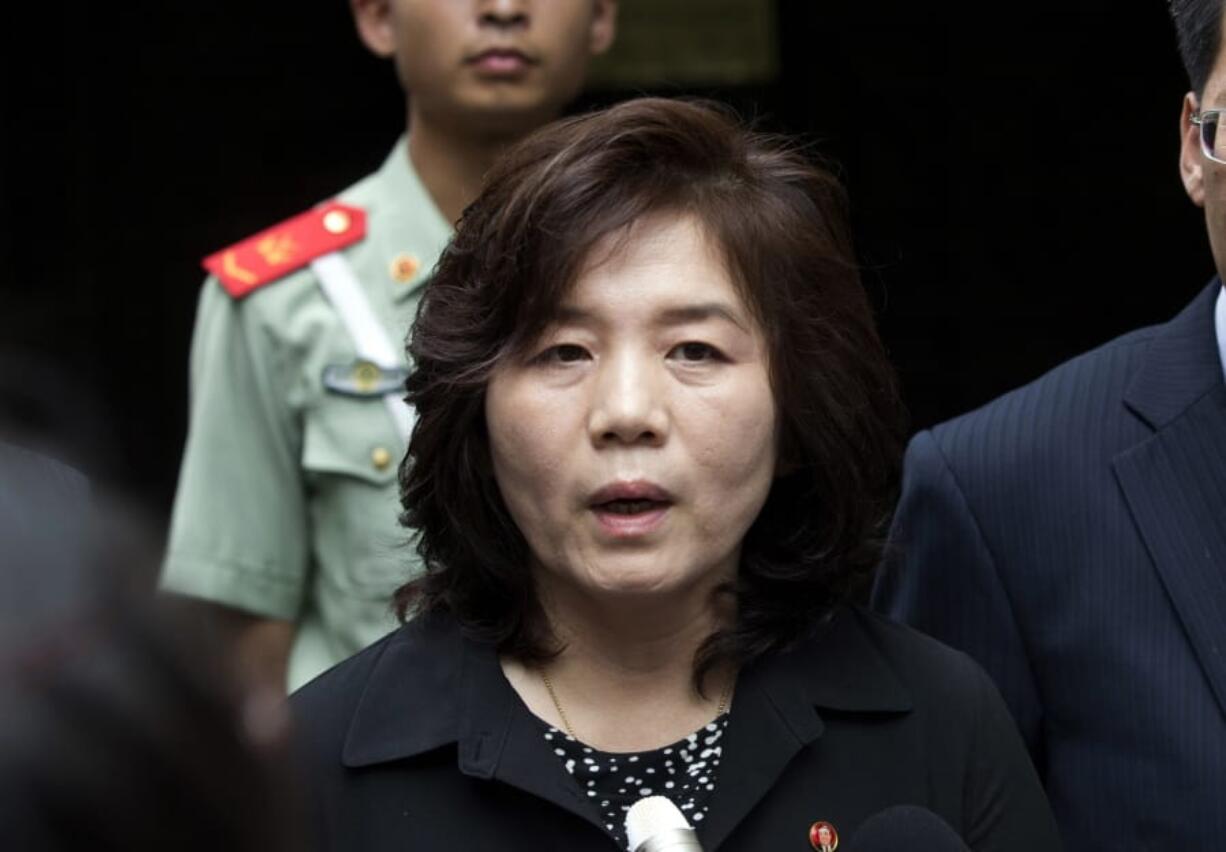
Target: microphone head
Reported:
[(905, 827), (651, 817)]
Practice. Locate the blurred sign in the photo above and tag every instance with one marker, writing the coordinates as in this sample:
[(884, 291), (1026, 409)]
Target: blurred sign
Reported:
[(691, 42)]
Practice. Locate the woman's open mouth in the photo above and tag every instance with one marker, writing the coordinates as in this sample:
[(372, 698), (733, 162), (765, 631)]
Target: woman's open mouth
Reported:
[(630, 509), (630, 518)]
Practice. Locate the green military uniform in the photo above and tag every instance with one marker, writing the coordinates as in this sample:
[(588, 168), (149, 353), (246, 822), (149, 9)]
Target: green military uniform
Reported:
[(287, 500)]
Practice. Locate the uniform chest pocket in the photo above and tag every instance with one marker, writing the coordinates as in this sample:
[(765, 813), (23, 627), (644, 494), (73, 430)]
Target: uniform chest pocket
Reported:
[(350, 456), (351, 437)]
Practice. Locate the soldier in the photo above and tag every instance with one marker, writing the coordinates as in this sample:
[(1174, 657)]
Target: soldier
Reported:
[(285, 514)]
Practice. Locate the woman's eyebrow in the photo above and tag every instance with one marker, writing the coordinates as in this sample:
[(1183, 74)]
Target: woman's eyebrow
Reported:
[(683, 314), (572, 315), (674, 315)]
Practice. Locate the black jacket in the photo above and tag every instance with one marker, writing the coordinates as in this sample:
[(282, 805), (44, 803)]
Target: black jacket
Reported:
[(420, 743)]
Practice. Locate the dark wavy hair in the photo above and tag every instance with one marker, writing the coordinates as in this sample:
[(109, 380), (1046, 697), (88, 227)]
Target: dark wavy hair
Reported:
[(781, 222), (1198, 27)]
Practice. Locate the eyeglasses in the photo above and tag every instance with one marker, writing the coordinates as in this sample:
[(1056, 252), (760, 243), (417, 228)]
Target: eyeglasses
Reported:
[(1212, 143)]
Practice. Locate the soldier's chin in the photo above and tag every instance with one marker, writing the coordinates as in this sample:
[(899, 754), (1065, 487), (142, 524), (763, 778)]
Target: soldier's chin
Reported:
[(523, 101), (511, 117)]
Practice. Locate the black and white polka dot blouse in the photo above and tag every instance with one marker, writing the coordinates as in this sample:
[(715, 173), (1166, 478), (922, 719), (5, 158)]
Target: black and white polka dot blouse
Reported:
[(684, 772)]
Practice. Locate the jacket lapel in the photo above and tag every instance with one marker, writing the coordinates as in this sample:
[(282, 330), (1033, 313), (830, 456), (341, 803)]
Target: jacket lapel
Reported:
[(500, 740), (775, 713), (407, 706), (1174, 482), (762, 739), (443, 689)]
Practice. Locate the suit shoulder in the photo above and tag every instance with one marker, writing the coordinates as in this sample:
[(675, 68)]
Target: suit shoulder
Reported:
[(1112, 363), (1076, 407)]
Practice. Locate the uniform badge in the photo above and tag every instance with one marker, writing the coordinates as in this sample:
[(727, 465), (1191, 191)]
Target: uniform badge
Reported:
[(404, 268), (284, 248), (823, 837), (363, 379)]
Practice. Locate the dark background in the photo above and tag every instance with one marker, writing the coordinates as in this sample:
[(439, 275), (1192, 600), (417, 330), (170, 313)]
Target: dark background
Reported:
[(1013, 170)]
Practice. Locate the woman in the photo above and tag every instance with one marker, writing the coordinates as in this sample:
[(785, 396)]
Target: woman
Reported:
[(657, 444)]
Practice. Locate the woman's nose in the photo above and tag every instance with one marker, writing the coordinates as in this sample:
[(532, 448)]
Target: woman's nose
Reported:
[(628, 405)]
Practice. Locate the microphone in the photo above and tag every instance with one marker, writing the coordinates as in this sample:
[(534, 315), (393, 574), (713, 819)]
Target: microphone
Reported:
[(905, 827), (655, 824)]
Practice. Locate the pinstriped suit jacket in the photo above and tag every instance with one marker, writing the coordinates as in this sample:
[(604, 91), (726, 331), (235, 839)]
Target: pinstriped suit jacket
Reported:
[(1071, 536)]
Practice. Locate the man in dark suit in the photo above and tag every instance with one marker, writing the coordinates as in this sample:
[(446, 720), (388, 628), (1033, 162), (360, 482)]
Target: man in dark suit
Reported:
[(1071, 536)]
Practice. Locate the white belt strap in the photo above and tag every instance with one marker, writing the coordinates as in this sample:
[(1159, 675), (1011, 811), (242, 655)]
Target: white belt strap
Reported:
[(370, 340)]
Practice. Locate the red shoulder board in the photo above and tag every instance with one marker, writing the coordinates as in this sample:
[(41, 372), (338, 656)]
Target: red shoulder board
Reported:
[(277, 251)]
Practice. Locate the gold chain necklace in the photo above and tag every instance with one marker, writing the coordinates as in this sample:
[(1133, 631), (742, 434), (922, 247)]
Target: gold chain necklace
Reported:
[(557, 705)]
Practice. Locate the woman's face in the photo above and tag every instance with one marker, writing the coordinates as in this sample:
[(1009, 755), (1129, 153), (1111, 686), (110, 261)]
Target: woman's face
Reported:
[(635, 443)]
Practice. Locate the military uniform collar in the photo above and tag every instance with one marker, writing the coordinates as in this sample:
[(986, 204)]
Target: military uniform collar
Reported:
[(407, 223), (432, 687)]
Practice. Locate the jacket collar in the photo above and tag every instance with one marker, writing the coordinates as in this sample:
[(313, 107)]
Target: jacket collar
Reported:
[(840, 668), (432, 687), (404, 219), (776, 711), (412, 696), (1182, 363)]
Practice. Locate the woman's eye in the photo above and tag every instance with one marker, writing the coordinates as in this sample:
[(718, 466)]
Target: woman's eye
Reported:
[(564, 353), (695, 352)]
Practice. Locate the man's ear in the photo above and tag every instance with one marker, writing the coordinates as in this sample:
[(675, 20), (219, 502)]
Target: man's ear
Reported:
[(1191, 158), (604, 26), (373, 19)]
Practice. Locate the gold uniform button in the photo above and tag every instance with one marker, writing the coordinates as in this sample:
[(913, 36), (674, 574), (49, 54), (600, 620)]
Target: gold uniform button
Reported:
[(404, 267), (336, 221), (365, 375), (380, 458)]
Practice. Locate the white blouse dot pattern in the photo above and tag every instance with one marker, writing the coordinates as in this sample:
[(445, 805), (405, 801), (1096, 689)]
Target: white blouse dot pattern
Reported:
[(684, 772)]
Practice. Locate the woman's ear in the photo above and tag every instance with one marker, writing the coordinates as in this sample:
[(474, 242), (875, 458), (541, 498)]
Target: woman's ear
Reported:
[(373, 19)]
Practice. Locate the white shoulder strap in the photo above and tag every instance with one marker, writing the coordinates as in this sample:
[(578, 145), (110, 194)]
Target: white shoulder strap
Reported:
[(370, 340)]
